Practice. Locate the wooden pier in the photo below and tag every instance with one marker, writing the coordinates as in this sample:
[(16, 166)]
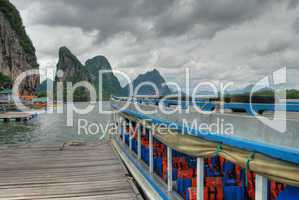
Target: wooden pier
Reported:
[(76, 171), (16, 116)]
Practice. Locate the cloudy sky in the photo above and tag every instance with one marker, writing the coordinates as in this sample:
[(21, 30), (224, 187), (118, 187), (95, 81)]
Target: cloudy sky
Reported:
[(222, 40)]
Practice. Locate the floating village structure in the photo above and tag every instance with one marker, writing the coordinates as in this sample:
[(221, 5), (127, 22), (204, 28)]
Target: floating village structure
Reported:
[(6, 96)]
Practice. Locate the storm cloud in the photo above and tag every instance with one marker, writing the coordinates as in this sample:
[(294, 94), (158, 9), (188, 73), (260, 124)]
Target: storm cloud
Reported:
[(224, 40)]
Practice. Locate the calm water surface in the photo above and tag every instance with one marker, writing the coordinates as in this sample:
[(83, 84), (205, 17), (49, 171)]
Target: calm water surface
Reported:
[(53, 129)]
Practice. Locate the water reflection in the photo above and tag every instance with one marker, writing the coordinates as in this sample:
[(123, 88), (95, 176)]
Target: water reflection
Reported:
[(52, 128)]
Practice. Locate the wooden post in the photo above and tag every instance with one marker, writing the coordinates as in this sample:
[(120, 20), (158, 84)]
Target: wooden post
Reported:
[(139, 142), (151, 152), (261, 187), (169, 169), (200, 179)]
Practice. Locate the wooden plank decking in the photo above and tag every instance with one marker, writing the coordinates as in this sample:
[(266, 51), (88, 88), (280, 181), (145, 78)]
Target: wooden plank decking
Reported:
[(90, 171), (17, 116)]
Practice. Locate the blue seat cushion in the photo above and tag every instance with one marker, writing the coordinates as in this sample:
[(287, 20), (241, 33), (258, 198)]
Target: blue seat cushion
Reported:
[(233, 193), (290, 193)]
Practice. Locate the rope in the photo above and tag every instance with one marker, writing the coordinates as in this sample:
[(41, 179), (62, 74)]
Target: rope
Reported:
[(247, 167), (218, 149)]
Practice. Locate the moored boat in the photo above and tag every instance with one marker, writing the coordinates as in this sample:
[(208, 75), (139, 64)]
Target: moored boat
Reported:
[(254, 163)]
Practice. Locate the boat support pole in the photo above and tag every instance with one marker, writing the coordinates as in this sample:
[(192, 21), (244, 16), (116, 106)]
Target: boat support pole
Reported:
[(151, 152), (200, 179), (122, 125), (169, 169), (114, 122), (139, 142), (131, 134), (261, 188), (119, 125)]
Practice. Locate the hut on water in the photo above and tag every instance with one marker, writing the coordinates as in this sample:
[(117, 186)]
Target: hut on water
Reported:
[(6, 96)]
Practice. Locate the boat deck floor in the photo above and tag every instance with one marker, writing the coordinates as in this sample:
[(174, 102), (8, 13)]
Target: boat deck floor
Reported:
[(89, 171)]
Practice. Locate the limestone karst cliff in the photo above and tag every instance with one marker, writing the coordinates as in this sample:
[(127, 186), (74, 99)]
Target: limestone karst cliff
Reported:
[(17, 54)]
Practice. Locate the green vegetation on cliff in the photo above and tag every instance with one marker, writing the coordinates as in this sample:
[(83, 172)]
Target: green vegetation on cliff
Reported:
[(4, 80), (73, 72), (111, 85), (13, 16), (154, 77), (293, 94)]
